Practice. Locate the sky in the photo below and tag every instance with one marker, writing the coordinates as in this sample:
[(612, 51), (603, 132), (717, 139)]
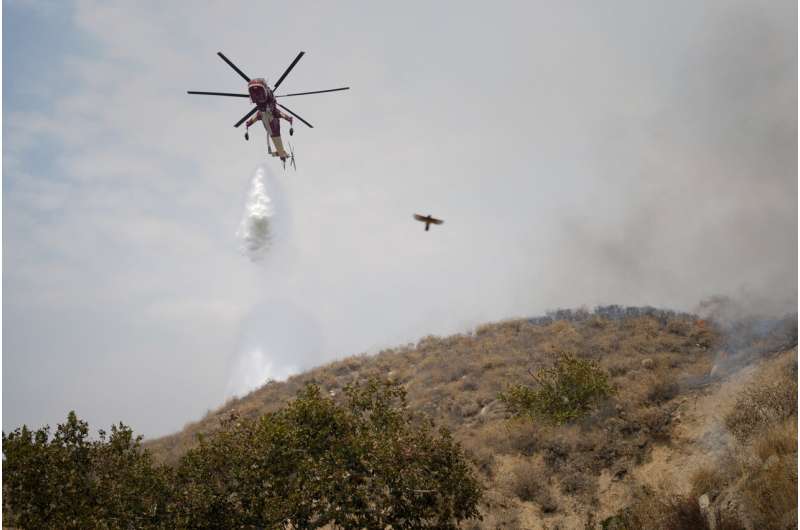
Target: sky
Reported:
[(580, 153)]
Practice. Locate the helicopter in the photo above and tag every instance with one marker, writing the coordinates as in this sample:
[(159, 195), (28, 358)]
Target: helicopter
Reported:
[(266, 107)]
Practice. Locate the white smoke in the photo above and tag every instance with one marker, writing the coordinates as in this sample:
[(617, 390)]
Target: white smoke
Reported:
[(255, 231)]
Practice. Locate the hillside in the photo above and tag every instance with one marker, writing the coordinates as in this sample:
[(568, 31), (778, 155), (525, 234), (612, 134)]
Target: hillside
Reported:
[(670, 430)]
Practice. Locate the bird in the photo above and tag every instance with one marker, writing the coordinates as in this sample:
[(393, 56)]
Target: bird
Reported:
[(428, 220)]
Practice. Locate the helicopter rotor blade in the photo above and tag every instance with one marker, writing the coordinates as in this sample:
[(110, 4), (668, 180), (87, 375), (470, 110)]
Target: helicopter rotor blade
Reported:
[(246, 78), (281, 78), (295, 115), (218, 94), (314, 92), (252, 111)]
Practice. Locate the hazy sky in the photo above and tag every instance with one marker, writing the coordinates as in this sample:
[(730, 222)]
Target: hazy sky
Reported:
[(580, 152)]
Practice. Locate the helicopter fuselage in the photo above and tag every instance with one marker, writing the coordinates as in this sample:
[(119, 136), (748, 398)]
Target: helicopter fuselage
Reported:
[(260, 94)]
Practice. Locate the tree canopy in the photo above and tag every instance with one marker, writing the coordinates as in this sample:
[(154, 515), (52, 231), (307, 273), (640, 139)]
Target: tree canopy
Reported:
[(362, 461)]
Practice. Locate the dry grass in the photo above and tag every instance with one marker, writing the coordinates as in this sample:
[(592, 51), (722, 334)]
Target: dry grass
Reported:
[(529, 484), (770, 494), (706, 479), (779, 440), (761, 469), (761, 405), (474, 367), (671, 512), (654, 421), (525, 437), (576, 481), (769, 482), (455, 381), (663, 389), (674, 513)]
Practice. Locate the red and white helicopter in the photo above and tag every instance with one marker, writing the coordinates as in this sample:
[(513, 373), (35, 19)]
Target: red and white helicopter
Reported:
[(266, 107)]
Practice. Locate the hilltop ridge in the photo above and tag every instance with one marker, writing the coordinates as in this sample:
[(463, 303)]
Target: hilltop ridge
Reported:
[(676, 377)]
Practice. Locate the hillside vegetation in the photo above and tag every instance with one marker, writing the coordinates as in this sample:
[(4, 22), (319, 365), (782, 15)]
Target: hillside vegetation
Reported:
[(359, 463), (618, 418), (569, 474)]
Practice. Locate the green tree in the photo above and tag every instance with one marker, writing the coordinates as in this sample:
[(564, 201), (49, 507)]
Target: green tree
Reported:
[(69, 481), (362, 463), (564, 392)]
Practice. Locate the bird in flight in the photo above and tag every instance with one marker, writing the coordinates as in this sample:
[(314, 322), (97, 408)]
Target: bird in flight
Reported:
[(428, 220)]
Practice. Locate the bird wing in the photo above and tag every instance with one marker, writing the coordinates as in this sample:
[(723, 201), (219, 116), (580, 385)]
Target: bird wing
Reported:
[(419, 217), (437, 221)]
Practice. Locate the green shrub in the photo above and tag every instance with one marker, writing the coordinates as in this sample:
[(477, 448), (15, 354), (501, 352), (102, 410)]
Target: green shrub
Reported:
[(564, 392)]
